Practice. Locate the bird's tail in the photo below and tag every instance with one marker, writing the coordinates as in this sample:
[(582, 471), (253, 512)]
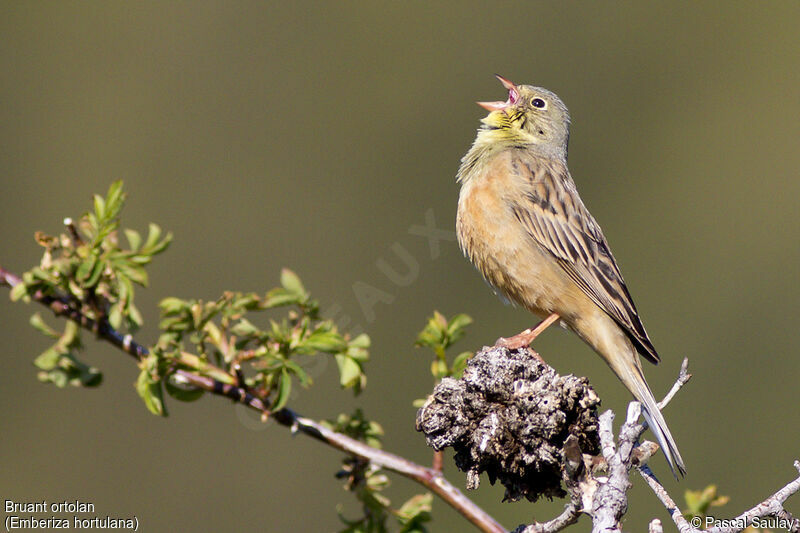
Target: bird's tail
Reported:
[(633, 378)]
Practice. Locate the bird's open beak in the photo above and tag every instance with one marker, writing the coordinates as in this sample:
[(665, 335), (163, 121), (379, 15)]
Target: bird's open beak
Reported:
[(507, 84), (513, 95)]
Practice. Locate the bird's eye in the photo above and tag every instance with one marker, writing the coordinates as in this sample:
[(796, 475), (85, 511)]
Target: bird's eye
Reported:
[(538, 102)]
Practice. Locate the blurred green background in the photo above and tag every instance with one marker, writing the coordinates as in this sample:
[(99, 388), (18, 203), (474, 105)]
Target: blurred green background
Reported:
[(314, 136)]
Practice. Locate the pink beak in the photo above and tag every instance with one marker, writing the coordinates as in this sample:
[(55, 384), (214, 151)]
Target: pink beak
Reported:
[(512, 96)]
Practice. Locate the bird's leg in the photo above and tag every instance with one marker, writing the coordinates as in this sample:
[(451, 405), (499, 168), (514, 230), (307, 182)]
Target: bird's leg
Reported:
[(526, 337)]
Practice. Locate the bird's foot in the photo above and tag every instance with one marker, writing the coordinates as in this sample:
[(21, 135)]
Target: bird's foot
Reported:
[(520, 340), (525, 338)]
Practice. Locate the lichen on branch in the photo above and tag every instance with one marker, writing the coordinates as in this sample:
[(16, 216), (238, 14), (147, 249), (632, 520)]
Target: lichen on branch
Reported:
[(510, 416)]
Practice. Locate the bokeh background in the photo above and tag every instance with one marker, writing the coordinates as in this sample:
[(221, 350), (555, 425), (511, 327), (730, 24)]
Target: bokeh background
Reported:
[(315, 135)]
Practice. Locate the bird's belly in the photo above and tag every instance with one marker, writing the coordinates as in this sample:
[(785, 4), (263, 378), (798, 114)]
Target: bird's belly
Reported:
[(509, 258)]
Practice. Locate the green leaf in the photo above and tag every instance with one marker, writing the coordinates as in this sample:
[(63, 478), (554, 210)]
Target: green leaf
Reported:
[(150, 391), (114, 199), (279, 297), (357, 427), (377, 482), (349, 371), (455, 328), (291, 282), (71, 336), (326, 341), (174, 324), (48, 359), (214, 333), (86, 267), (433, 334), (91, 377), (75, 289), (439, 369), (362, 341), (460, 363), (99, 207), (153, 245), (284, 389), (135, 272), (18, 292), (245, 328), (56, 376), (66, 370), (81, 374), (96, 273), (135, 317), (414, 512), (439, 333), (134, 239), (172, 305), (39, 324), (374, 434), (153, 235), (115, 316), (698, 502), (298, 371), (357, 349)]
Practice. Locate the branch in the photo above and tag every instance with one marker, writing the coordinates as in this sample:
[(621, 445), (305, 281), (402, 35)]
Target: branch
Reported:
[(428, 477), (571, 513), (605, 499), (655, 526), (502, 417), (771, 507), (683, 377), (662, 494), (610, 501)]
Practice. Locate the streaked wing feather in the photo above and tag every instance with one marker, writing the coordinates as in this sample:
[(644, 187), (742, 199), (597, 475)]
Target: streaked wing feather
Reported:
[(557, 220)]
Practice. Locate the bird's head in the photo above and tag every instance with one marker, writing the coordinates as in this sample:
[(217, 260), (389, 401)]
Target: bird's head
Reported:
[(531, 116)]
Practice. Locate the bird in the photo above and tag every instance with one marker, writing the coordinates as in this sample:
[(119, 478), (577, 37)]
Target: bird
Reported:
[(521, 222)]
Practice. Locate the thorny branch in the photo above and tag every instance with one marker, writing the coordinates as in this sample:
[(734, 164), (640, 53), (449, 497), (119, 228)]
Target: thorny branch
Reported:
[(428, 477)]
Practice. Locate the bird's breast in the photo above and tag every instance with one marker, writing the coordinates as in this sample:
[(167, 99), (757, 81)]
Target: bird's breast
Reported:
[(497, 243)]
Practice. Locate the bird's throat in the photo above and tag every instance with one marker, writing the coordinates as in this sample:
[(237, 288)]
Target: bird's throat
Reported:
[(488, 143)]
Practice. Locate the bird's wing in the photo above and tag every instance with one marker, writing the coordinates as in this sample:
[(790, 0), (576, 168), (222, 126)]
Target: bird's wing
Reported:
[(555, 217)]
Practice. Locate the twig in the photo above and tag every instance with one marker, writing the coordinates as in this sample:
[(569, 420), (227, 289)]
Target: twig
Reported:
[(683, 377), (662, 494), (655, 526), (438, 461), (609, 502), (73, 232), (606, 499), (568, 517), (771, 507), (428, 477)]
